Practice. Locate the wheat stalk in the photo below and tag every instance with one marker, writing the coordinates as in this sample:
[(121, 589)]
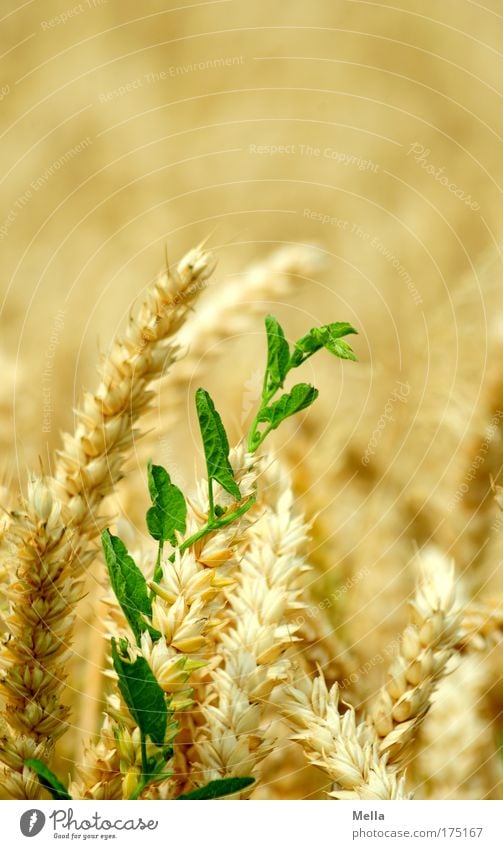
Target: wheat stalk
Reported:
[(345, 750), (428, 643), (91, 461), (49, 540), (256, 643)]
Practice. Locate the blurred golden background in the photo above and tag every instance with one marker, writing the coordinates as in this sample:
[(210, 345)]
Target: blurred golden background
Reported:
[(371, 130)]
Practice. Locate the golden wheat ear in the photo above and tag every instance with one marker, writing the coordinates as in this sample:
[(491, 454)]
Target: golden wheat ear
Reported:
[(258, 643), (427, 645), (347, 751), (50, 541)]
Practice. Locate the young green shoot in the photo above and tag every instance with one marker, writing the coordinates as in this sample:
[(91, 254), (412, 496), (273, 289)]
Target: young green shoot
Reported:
[(280, 362)]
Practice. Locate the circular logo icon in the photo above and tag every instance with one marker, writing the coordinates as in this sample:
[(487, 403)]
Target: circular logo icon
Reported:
[(32, 822)]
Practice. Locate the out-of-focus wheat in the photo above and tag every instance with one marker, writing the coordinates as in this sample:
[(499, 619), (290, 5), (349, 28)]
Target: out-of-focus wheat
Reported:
[(12, 380), (455, 752), (427, 644), (229, 310), (322, 645), (481, 626), (483, 463)]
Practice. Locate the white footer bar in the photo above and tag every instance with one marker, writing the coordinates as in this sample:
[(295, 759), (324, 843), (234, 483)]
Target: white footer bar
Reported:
[(253, 825)]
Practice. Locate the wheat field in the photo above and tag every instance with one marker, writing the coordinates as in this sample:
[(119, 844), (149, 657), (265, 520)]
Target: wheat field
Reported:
[(172, 176)]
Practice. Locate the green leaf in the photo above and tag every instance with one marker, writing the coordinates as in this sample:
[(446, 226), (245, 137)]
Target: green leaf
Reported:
[(220, 787), (129, 586), (278, 354), (144, 697), (48, 779), (169, 511), (329, 337), (301, 396), (216, 444)]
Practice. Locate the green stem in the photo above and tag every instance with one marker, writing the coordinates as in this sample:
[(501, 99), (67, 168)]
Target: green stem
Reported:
[(216, 524), (254, 438), (139, 789), (211, 516), (144, 762), (258, 438), (158, 569), (252, 434), (144, 777)]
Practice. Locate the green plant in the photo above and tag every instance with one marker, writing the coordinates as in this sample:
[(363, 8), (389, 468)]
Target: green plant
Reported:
[(281, 361), (151, 705)]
